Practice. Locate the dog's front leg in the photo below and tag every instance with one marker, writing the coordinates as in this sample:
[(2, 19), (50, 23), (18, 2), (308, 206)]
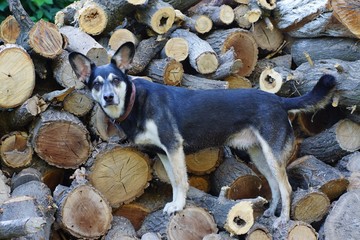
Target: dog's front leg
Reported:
[(174, 164)]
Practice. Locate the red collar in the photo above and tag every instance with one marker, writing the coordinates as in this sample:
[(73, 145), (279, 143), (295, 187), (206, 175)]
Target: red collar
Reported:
[(130, 105)]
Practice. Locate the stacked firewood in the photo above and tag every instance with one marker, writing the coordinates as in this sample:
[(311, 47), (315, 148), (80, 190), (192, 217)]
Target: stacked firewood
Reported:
[(67, 172)]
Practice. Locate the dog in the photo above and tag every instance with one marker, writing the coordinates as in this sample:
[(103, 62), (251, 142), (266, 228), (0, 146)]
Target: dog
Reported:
[(172, 121)]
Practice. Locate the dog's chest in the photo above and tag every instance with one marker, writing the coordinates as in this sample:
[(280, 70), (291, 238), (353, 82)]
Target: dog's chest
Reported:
[(149, 136)]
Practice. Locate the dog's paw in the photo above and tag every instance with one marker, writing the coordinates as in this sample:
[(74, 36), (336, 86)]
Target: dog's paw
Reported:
[(173, 207), (269, 213)]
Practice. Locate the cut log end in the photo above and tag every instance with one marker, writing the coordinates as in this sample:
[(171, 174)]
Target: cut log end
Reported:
[(227, 15), (162, 20), (346, 133), (45, 39), (203, 24), (177, 48), (207, 63), (92, 19), (120, 173), (9, 29), (191, 223), (17, 80), (270, 81)]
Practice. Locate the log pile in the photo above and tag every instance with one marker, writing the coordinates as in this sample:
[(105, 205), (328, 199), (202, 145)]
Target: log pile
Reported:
[(67, 172)]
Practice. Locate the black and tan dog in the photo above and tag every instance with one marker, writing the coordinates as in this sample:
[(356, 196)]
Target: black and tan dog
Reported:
[(172, 121)]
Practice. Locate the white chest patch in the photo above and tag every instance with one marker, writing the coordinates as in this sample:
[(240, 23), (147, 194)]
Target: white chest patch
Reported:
[(150, 136)]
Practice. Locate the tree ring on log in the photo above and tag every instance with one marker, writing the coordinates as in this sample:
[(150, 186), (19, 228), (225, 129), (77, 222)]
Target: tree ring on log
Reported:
[(240, 218), (245, 48), (9, 29), (177, 48), (162, 20), (344, 133), (17, 80), (227, 14), (203, 24), (304, 231), (92, 19), (207, 62), (82, 199), (125, 179)]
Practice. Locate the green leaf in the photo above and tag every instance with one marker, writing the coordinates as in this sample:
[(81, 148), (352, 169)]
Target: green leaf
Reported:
[(3, 5)]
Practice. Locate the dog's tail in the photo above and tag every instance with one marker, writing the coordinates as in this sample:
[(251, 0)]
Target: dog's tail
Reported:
[(317, 98)]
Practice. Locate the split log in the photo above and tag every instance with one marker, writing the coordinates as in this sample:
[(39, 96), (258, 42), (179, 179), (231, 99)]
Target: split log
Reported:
[(191, 223), (120, 173), (121, 228), (309, 205), (219, 15), (195, 82), (63, 72), (342, 221), (20, 227), (201, 56), (242, 181), (236, 217), (4, 188), (146, 50), (176, 48), (346, 49), (197, 23), (18, 78), (322, 26), (309, 172), (103, 127), (204, 161), (347, 12), (291, 15), (101, 16), (166, 71), (78, 102), (16, 150), (121, 36), (15, 210), (265, 37), (333, 143), (82, 210), (61, 139), (9, 29), (243, 43), (81, 42), (157, 14)]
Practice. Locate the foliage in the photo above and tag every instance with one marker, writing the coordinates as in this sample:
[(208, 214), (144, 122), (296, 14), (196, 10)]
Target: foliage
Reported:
[(37, 9)]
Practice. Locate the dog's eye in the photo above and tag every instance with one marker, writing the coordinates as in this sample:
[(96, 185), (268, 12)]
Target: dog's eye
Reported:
[(97, 85), (116, 81)]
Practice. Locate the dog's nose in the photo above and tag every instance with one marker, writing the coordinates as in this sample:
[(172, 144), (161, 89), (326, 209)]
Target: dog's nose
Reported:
[(109, 98)]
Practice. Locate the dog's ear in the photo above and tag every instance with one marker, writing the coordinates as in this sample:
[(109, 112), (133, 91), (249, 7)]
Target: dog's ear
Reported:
[(81, 65), (124, 55)]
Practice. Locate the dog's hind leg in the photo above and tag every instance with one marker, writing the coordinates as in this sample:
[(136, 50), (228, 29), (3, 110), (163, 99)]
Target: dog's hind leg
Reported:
[(175, 166), (258, 158), (275, 173)]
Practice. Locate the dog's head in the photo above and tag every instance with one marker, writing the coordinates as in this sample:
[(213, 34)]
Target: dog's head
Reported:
[(109, 84)]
